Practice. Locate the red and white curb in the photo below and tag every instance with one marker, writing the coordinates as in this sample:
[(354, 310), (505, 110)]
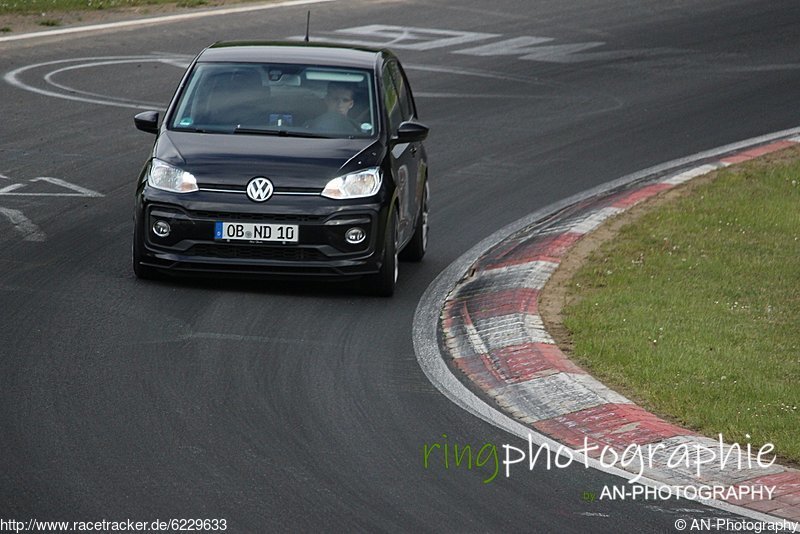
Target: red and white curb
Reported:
[(492, 330)]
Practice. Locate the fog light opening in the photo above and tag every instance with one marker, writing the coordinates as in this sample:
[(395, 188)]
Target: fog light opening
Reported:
[(355, 235), (161, 228)]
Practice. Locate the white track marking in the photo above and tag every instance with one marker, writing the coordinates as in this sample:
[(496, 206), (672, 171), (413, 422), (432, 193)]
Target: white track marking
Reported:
[(49, 79), (10, 190), (23, 225), (403, 37), (528, 48), (84, 192), (525, 48), (13, 78), (517, 46)]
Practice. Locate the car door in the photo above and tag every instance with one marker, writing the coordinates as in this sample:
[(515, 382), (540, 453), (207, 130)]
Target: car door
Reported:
[(405, 164)]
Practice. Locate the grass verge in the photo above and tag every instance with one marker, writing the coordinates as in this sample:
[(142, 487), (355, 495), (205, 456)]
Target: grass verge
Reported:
[(30, 7), (20, 16), (694, 310)]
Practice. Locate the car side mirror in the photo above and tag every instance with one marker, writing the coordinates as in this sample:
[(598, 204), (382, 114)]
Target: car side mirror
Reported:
[(147, 121), (410, 132)]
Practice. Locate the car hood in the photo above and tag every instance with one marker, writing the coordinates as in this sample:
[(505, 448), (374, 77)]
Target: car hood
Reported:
[(232, 160)]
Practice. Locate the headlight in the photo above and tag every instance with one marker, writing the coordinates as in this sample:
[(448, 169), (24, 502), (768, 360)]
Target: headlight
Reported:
[(354, 185), (164, 176)]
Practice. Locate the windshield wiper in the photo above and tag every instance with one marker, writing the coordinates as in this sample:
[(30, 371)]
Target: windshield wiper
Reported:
[(192, 129), (279, 133)]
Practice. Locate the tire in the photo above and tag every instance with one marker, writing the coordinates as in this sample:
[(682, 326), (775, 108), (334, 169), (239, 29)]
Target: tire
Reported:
[(383, 283), (415, 249)]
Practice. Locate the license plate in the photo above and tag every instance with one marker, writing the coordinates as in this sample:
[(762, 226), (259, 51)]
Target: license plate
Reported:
[(258, 232)]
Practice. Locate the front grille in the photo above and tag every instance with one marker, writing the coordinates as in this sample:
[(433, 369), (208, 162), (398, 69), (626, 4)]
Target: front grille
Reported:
[(255, 252), (223, 187), (278, 190), (298, 190), (222, 216)]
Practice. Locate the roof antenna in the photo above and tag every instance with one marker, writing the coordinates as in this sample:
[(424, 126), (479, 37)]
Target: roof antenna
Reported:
[(308, 23)]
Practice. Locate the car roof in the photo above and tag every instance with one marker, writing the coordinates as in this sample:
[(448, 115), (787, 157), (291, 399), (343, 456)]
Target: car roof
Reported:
[(326, 54)]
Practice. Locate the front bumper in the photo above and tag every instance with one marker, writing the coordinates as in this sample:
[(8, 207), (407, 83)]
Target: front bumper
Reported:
[(321, 250)]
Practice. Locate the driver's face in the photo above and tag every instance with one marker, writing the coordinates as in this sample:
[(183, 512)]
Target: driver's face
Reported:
[(340, 100)]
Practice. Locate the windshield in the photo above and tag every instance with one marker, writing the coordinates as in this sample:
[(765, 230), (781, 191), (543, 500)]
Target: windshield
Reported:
[(277, 99)]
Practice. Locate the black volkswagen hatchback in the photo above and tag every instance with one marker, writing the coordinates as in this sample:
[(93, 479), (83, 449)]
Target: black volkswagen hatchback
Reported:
[(285, 159)]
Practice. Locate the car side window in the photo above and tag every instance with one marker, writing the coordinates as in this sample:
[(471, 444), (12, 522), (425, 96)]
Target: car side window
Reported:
[(404, 95), (391, 101)]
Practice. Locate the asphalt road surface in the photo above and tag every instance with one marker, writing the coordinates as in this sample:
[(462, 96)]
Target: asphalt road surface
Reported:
[(301, 406)]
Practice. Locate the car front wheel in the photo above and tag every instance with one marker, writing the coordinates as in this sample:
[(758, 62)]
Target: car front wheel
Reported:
[(415, 249), (383, 283)]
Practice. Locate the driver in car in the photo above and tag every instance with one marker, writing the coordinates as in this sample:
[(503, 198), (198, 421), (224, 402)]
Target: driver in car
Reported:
[(339, 101)]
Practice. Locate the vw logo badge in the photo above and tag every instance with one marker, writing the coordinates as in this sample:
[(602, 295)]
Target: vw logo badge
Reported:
[(259, 189)]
